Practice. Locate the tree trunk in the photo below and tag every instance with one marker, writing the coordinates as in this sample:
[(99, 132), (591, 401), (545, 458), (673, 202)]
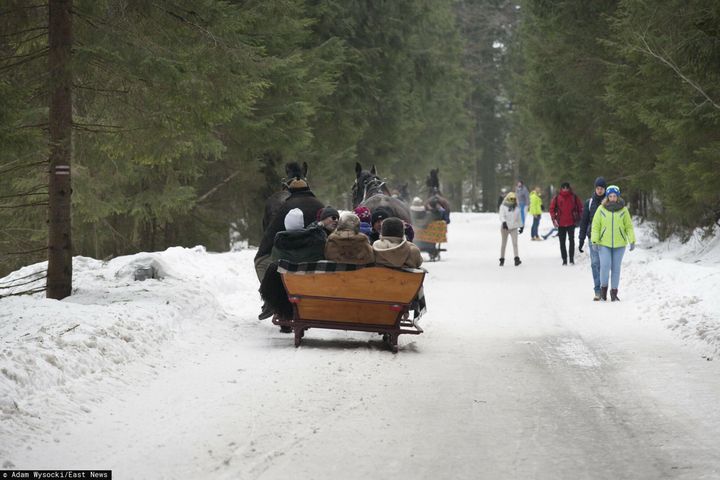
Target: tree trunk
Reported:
[(59, 276)]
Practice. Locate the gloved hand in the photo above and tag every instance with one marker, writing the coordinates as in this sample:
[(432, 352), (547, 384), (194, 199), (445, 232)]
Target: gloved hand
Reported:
[(580, 245), (504, 226), (521, 229), (632, 247)]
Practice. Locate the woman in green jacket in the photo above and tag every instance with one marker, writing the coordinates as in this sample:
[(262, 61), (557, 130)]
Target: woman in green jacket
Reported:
[(612, 230), (536, 212)]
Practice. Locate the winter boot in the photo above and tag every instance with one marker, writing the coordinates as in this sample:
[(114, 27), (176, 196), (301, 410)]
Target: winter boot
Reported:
[(286, 329), (517, 261), (502, 262), (613, 295), (603, 293), (597, 297), (266, 312)]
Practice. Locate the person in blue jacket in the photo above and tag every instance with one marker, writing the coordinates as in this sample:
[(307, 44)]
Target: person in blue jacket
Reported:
[(591, 206)]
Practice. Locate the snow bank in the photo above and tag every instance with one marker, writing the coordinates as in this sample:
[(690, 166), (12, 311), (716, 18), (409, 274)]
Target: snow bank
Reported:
[(110, 320), (678, 283)]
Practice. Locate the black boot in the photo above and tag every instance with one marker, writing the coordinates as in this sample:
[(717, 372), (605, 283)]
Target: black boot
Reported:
[(603, 293), (517, 261), (266, 312), (613, 295), (502, 262)]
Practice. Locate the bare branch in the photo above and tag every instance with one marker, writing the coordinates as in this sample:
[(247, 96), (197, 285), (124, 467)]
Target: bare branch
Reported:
[(20, 167), (218, 186), (24, 277), (648, 50), (36, 250), (21, 205), (44, 50), (29, 59), (85, 87), (27, 292), (36, 29), (23, 283), (32, 191)]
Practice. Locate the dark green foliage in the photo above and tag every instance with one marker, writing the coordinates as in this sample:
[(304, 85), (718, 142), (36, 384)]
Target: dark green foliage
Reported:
[(627, 89), (185, 112)]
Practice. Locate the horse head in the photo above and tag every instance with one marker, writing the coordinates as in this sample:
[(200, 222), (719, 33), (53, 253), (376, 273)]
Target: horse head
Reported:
[(366, 184)]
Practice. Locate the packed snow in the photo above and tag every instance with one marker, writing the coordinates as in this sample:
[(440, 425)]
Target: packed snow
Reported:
[(518, 372)]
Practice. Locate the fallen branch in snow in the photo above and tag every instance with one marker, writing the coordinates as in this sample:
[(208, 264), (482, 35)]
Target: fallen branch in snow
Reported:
[(69, 330)]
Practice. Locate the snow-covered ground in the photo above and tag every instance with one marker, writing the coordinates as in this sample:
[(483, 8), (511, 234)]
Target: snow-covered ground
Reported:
[(518, 374)]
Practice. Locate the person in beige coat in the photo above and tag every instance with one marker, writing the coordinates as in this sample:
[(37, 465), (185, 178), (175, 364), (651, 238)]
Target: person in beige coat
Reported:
[(393, 250), (347, 245)]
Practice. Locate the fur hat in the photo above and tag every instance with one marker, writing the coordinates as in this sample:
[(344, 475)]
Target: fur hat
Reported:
[(294, 220), (363, 213), (600, 182), (380, 213), (326, 212), (349, 221), (393, 227), (612, 189)]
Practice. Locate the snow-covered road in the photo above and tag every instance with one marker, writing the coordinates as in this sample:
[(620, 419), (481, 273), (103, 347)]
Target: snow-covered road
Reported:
[(518, 375)]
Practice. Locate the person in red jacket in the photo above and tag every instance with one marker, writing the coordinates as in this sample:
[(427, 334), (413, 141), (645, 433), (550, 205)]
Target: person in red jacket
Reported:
[(566, 210)]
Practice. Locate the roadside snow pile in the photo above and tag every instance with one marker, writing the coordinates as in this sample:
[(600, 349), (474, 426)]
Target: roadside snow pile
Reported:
[(53, 352), (678, 283)]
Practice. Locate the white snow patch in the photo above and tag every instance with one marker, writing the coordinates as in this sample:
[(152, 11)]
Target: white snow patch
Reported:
[(53, 352)]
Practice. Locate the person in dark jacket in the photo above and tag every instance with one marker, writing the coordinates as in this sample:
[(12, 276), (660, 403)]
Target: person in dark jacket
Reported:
[(566, 210), (295, 244), (591, 206), (328, 219), (300, 197)]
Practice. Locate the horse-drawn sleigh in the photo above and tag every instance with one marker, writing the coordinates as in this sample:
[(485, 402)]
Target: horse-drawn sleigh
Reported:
[(353, 297)]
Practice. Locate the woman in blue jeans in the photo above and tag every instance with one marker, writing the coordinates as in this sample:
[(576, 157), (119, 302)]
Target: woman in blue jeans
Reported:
[(612, 231)]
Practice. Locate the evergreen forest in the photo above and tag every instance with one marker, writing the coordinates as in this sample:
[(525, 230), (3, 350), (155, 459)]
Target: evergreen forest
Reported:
[(181, 114)]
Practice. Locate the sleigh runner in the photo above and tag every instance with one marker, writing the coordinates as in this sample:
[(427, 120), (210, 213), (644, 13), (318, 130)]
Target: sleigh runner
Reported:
[(353, 297)]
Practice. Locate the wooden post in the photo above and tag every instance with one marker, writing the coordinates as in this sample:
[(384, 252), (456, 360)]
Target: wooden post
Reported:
[(59, 277)]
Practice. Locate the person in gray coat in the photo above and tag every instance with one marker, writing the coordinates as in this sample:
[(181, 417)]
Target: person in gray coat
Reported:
[(523, 200)]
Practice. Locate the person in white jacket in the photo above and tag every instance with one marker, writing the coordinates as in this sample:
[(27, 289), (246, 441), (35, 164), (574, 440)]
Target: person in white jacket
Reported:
[(510, 222)]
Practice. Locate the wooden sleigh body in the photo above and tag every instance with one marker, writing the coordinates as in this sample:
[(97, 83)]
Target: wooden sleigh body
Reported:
[(368, 299)]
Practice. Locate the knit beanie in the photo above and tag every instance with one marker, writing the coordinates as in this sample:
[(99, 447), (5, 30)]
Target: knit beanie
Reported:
[(327, 212), (363, 213), (393, 227), (294, 220), (600, 182), (612, 189), (349, 221), (380, 213)]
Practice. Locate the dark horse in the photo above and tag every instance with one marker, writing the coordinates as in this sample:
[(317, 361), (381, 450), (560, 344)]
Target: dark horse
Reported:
[(293, 171), (369, 190)]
